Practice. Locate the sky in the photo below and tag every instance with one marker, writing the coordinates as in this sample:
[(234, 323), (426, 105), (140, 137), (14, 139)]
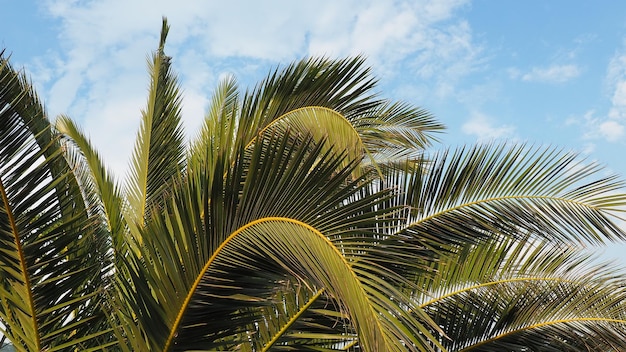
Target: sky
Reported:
[(546, 73)]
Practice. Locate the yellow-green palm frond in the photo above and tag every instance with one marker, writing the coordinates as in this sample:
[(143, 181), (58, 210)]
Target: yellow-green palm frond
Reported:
[(98, 184), (516, 309), (229, 244), (159, 153)]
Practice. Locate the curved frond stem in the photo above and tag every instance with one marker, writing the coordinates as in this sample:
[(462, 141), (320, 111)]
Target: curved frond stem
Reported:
[(496, 199), (491, 283), (293, 319), (232, 236), (105, 186), (541, 325), (292, 112), (311, 110), (22, 259)]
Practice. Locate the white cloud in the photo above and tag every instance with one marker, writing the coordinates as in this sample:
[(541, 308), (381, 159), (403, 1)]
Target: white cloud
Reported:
[(99, 78), (612, 126), (594, 127), (611, 130), (485, 129), (552, 74)]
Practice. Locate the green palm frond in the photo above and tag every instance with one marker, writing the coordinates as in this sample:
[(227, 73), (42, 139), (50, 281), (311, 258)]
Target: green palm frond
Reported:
[(52, 261), (160, 149), (306, 253), (395, 131), (218, 130), (296, 188), (514, 295), (342, 85), (322, 123), (297, 317), (547, 314), (97, 183), (334, 99), (470, 194)]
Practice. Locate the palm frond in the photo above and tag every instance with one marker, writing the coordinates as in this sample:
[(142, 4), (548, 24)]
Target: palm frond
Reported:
[(470, 194), (160, 149), (297, 317), (395, 131), (97, 182), (219, 126), (296, 187), (502, 294), (327, 97), (52, 260), (548, 314)]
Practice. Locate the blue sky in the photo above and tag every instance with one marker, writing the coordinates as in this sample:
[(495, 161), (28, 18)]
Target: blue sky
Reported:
[(540, 72)]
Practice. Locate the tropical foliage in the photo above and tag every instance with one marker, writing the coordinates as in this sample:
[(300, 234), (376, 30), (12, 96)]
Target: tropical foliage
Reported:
[(307, 214)]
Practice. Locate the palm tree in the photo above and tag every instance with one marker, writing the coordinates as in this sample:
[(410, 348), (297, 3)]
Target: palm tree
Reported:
[(306, 214)]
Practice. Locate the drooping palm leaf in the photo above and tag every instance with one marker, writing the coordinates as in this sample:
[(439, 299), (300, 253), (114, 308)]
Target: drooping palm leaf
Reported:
[(517, 295), (52, 260), (475, 209), (97, 183), (514, 190), (277, 179), (334, 99)]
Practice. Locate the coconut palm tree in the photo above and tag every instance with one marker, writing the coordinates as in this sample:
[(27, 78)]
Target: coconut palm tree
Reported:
[(307, 214)]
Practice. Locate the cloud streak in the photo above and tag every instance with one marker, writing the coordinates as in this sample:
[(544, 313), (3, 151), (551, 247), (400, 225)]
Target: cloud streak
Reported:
[(552, 74), (612, 126), (485, 130)]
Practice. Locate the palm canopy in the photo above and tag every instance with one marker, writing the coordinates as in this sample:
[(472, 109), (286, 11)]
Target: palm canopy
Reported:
[(307, 214)]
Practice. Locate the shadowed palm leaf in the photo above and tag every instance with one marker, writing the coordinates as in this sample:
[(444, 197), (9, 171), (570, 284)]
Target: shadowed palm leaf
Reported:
[(53, 260)]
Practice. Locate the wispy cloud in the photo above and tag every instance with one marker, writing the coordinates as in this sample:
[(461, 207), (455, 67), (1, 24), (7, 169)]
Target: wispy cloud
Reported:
[(551, 74), (485, 129), (98, 76), (611, 130), (599, 128), (611, 126)]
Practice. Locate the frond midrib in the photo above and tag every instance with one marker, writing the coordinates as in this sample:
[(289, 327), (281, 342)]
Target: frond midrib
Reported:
[(315, 107), (196, 283), (496, 199), (292, 320), (490, 283), (303, 108), (541, 325), (22, 259)]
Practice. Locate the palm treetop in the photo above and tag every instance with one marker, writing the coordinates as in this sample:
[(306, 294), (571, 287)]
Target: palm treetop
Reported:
[(308, 213)]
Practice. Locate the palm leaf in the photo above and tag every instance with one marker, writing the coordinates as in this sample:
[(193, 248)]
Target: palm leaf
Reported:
[(218, 129), (97, 182), (303, 319), (518, 190), (322, 123), (395, 131), (547, 313), (333, 99), (204, 235), (502, 294), (52, 258), (159, 150)]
